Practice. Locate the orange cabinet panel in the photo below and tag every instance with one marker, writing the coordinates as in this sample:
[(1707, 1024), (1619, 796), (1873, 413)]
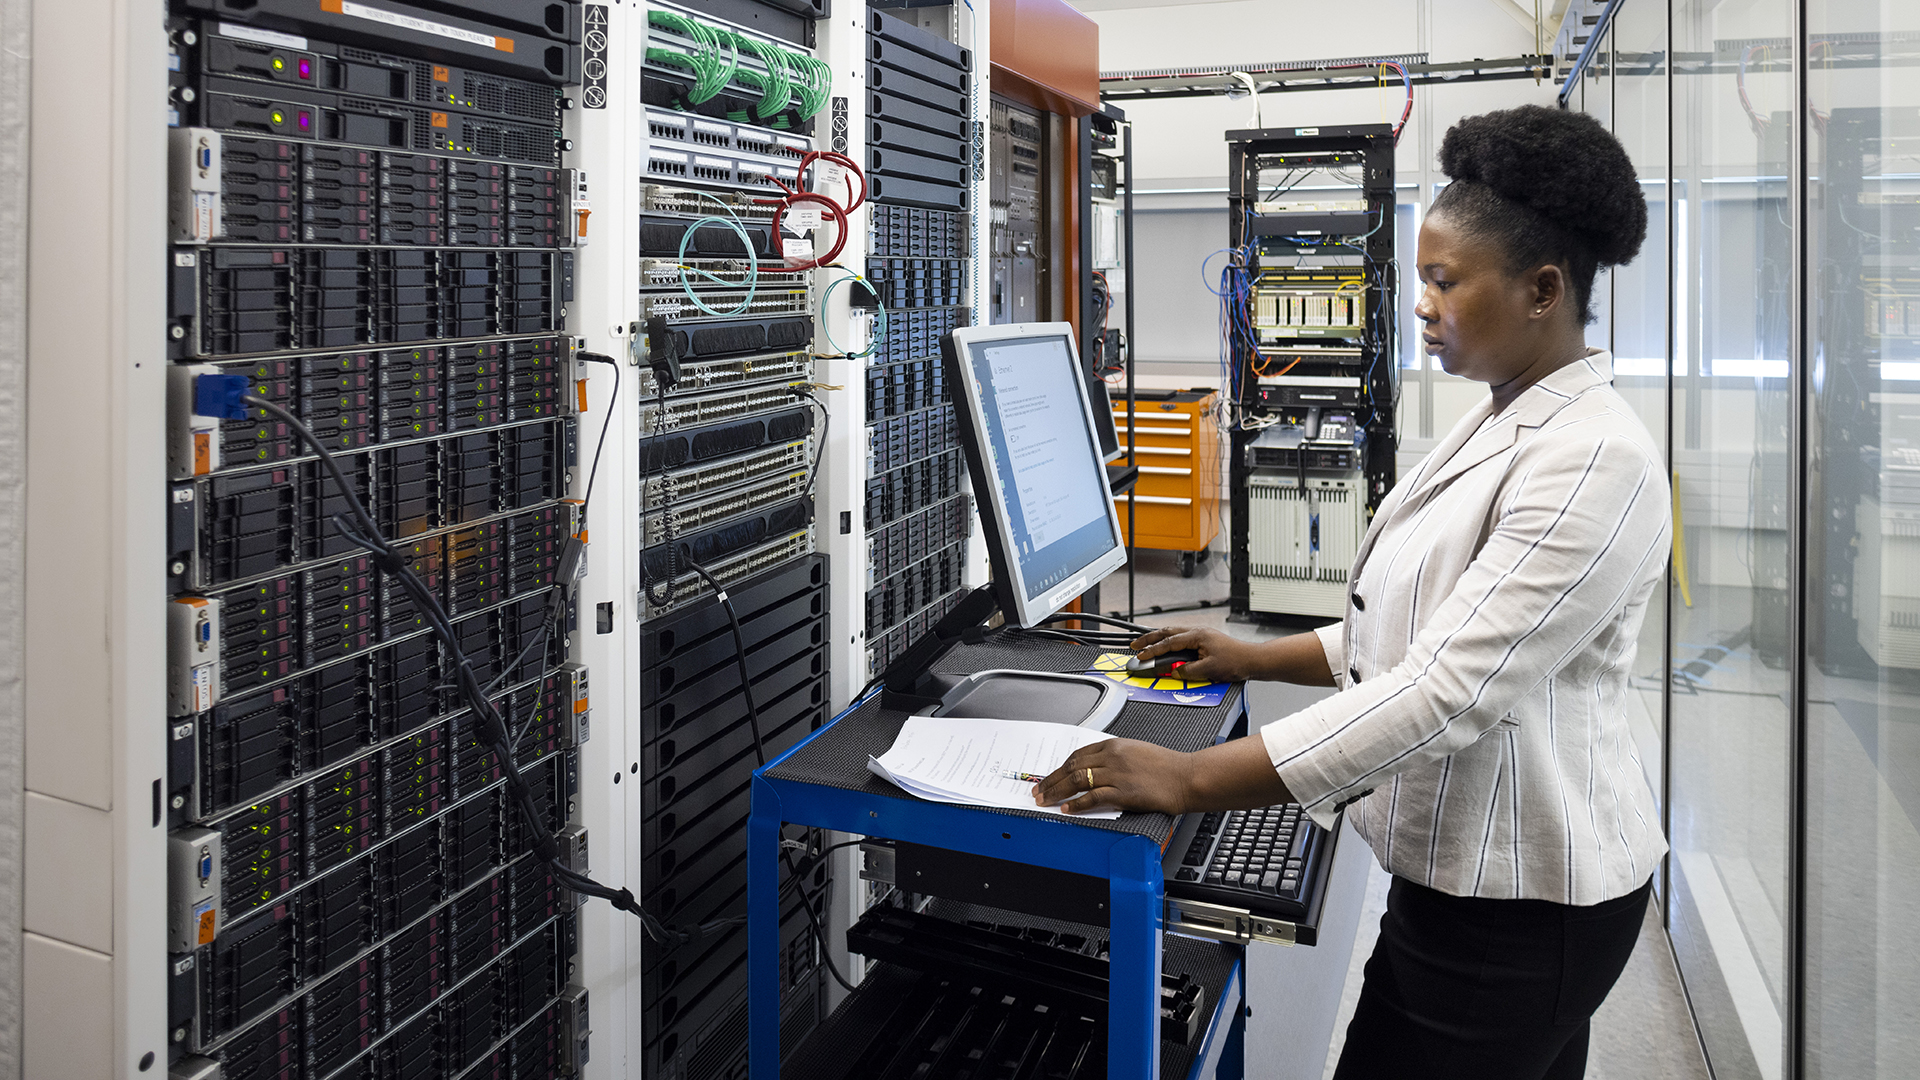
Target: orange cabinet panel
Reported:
[(1176, 503)]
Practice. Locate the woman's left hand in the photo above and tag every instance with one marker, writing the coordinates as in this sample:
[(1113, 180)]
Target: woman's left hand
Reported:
[(1126, 774)]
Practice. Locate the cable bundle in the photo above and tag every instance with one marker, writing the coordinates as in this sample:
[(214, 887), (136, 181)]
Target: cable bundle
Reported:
[(834, 210), (715, 63)]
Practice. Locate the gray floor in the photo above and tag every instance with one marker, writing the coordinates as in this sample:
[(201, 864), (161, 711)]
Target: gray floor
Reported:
[(1644, 1030)]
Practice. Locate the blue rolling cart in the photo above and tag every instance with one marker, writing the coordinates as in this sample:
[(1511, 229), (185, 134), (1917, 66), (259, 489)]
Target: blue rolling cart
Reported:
[(824, 783)]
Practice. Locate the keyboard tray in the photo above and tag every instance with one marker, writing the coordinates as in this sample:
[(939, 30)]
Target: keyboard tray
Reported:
[(1286, 912)]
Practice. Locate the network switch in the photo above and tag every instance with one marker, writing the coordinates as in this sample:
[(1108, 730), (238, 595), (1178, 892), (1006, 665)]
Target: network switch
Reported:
[(678, 486)]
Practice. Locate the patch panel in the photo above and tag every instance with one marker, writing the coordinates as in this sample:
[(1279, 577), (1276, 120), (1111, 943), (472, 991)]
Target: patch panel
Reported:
[(676, 74), (707, 134), (730, 168)]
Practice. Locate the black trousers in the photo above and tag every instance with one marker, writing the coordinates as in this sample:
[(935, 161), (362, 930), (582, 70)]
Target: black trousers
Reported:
[(1486, 989)]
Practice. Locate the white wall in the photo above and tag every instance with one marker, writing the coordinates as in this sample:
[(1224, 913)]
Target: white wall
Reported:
[(1180, 156)]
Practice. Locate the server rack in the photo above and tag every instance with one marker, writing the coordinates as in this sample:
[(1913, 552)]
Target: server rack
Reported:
[(919, 159), (1311, 293), (374, 227), (728, 452)]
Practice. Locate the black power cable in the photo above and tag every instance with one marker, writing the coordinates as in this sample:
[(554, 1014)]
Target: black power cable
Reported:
[(494, 729), (760, 755)]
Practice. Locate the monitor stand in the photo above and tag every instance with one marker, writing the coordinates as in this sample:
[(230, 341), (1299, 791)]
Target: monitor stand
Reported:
[(1001, 694)]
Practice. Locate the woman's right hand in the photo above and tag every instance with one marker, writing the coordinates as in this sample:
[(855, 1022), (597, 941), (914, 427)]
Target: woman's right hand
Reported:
[(1222, 658)]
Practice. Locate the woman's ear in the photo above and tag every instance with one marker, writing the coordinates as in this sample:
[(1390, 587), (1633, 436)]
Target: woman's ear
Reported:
[(1549, 289)]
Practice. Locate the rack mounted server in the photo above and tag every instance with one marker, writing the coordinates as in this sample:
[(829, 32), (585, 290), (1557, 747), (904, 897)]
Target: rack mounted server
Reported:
[(372, 223)]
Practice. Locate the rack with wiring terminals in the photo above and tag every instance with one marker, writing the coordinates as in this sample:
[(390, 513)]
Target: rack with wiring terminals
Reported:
[(917, 516), (374, 863), (738, 213), (1308, 295)]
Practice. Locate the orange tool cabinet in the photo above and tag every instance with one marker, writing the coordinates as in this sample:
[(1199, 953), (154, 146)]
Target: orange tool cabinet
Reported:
[(1176, 503)]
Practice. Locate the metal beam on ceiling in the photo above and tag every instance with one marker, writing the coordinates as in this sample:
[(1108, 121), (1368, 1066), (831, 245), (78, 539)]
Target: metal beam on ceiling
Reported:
[(1317, 75)]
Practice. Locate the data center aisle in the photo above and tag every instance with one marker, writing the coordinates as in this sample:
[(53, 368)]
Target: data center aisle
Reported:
[(1643, 1031)]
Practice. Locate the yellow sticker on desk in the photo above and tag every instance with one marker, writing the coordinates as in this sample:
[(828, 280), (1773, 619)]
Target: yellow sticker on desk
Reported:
[(1164, 690)]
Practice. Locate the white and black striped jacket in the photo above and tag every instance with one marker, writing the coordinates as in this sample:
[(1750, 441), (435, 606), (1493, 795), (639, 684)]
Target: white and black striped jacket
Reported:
[(1480, 737)]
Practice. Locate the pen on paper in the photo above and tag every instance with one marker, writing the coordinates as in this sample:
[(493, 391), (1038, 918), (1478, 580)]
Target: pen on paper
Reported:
[(1012, 774)]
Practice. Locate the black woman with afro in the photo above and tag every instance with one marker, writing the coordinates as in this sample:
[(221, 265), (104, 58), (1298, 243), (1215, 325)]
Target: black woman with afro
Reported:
[(1478, 738)]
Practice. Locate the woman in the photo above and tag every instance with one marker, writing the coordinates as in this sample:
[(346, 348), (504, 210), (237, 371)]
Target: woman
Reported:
[(1478, 741)]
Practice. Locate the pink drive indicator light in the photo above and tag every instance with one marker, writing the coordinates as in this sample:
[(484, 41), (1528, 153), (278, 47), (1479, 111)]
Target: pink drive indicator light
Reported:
[(306, 68), (306, 120)]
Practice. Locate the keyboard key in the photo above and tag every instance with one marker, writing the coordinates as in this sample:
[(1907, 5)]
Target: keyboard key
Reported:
[(1270, 882), (1216, 877), (1187, 873)]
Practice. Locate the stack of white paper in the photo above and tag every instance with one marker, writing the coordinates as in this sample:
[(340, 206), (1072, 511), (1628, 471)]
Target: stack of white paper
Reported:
[(966, 760)]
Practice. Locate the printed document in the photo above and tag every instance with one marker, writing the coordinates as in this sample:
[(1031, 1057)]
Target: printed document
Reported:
[(968, 760)]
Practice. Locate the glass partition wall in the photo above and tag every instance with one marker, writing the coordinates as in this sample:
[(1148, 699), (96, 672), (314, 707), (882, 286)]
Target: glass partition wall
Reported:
[(1770, 331)]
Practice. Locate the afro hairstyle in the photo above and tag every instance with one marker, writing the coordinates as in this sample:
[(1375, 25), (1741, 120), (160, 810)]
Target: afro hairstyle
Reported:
[(1546, 186)]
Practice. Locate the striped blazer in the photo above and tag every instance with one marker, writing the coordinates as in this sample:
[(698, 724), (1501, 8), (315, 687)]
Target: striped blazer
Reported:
[(1479, 737)]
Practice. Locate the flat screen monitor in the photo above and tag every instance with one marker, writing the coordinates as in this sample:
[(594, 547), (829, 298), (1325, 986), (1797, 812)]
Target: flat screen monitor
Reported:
[(1033, 449)]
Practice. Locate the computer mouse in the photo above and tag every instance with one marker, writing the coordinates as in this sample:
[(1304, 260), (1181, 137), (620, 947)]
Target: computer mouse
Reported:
[(1165, 664)]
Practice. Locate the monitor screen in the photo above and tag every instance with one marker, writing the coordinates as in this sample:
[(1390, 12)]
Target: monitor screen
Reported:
[(1031, 441)]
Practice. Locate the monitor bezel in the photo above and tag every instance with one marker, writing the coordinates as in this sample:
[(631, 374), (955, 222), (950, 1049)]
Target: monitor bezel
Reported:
[(1009, 583)]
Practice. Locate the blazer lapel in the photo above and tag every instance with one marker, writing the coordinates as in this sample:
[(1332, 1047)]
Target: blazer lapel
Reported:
[(1468, 445), (1403, 492), (1532, 409)]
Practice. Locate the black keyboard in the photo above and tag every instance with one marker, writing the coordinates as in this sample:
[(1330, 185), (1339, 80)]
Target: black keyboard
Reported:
[(1262, 860)]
